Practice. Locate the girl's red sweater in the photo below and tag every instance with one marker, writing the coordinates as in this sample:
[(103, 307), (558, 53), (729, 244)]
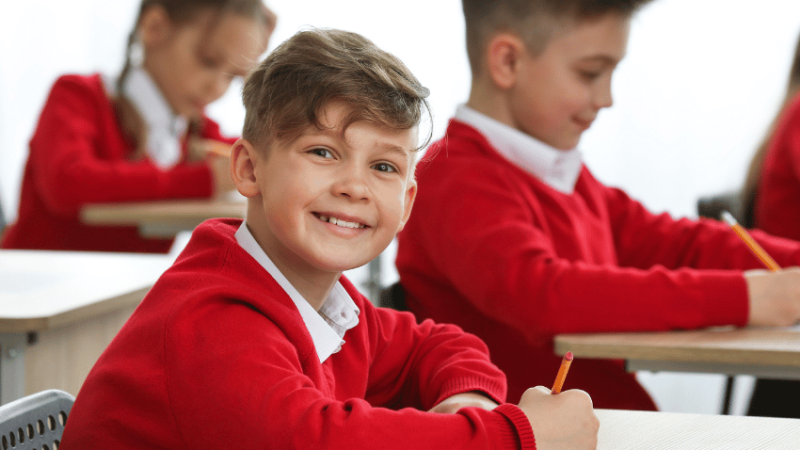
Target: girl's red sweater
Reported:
[(79, 155)]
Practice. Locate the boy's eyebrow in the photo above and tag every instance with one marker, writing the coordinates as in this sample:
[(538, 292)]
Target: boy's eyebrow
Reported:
[(393, 148)]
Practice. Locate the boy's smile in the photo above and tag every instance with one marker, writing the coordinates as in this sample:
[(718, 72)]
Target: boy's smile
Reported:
[(332, 199)]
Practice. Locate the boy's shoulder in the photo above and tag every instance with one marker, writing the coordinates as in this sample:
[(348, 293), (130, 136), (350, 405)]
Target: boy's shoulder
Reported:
[(465, 155)]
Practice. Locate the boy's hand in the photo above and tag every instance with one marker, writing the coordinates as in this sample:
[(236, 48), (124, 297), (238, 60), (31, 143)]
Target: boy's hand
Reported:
[(561, 421), (452, 404), (774, 297)]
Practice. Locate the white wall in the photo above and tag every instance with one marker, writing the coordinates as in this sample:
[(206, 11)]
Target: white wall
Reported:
[(701, 82)]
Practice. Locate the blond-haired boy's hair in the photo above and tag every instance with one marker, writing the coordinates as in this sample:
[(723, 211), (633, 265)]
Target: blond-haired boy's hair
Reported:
[(534, 21), (287, 91)]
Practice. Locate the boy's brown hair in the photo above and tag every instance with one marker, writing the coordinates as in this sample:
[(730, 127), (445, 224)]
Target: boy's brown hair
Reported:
[(534, 21), (287, 91)]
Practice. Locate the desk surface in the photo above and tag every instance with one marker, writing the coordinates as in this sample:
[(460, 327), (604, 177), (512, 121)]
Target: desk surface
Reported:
[(164, 218), (40, 290), (767, 346), (763, 352), (628, 430)]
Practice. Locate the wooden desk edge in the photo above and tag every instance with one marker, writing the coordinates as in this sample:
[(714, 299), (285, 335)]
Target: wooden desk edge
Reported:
[(38, 324), (565, 343)]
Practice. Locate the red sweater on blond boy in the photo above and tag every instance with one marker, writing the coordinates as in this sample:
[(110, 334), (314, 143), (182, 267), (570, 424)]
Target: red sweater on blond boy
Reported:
[(495, 250), (79, 155), (217, 355)]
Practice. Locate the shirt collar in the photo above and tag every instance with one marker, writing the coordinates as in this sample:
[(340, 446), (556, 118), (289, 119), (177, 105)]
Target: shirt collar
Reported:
[(327, 327), (164, 129), (559, 169)]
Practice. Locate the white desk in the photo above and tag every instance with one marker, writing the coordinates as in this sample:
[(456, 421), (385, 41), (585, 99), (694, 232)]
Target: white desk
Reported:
[(638, 430), (75, 302)]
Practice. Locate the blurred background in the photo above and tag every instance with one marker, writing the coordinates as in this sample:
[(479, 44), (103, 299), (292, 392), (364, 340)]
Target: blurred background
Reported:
[(700, 84)]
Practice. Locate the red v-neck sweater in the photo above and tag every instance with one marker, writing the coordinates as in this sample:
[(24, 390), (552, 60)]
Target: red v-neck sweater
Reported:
[(79, 155), (493, 249), (217, 356)]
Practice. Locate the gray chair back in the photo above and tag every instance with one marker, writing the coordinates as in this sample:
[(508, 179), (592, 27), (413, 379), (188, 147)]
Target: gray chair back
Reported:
[(36, 421)]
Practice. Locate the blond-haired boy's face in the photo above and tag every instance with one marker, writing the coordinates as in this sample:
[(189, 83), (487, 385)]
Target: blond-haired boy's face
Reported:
[(559, 92), (332, 200)]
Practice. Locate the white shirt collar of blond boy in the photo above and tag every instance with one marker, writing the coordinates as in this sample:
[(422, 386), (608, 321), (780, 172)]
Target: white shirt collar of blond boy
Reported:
[(559, 169), (327, 327), (165, 130)]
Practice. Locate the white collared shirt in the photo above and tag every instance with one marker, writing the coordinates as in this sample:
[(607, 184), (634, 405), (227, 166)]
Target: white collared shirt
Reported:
[(327, 327), (559, 169), (165, 130)]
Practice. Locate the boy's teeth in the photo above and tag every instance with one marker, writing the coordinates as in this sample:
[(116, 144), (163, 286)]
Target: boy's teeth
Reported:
[(339, 222)]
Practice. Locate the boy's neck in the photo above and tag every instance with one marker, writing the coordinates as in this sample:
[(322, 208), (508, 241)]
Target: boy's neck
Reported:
[(490, 102), (313, 285)]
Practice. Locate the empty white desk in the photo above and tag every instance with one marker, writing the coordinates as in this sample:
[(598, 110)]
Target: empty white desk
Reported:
[(71, 304)]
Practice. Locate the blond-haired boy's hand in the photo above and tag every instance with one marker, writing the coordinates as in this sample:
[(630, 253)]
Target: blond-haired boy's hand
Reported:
[(563, 421), (774, 297), (453, 403)]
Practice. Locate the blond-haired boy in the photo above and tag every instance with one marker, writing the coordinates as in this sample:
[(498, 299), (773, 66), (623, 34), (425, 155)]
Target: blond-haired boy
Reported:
[(254, 339), (514, 240)]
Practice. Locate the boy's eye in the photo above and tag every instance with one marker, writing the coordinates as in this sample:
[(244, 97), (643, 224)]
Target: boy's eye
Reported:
[(384, 167), (322, 152)]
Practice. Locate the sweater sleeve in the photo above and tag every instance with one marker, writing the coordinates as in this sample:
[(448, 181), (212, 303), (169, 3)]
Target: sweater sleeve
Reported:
[(490, 245), (71, 170), (247, 385), (421, 365), (644, 239)]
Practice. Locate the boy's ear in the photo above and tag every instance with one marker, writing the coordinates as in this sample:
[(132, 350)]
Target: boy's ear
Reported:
[(411, 195), (244, 158), (503, 56), (154, 26)]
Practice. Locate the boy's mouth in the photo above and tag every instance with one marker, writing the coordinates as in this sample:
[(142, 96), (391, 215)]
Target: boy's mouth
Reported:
[(339, 222)]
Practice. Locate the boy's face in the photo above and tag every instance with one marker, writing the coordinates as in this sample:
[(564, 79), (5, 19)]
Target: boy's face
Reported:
[(559, 92), (333, 201)]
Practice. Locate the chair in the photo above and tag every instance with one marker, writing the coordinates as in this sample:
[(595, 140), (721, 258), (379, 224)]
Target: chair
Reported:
[(393, 297), (731, 201), (35, 422)]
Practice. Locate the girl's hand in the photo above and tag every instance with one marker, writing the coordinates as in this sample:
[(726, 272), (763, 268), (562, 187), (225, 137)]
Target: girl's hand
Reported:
[(474, 399)]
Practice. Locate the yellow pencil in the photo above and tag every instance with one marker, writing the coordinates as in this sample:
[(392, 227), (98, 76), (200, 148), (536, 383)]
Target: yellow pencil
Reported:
[(561, 376), (757, 249)]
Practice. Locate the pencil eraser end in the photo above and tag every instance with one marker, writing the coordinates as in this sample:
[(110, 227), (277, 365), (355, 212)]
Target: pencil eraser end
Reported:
[(728, 218), (568, 356)]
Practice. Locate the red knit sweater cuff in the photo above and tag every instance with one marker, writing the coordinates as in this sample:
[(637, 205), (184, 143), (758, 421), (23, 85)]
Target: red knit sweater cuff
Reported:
[(729, 303), (521, 435), (489, 387)]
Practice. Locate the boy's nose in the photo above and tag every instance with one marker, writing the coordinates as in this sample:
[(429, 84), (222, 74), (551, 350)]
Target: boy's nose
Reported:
[(351, 184), (603, 97)]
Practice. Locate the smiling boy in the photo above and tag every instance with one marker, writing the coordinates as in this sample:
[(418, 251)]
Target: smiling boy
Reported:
[(513, 238), (254, 337)]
